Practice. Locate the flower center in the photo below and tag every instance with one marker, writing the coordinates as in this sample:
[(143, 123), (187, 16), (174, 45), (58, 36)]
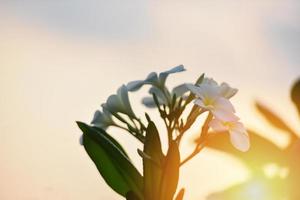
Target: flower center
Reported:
[(208, 101), (229, 125)]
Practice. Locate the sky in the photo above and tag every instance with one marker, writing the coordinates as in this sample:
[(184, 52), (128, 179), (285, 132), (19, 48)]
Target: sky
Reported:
[(59, 60)]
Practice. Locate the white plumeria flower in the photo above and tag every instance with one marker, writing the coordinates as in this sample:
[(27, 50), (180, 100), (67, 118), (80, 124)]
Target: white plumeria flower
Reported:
[(238, 134), (157, 83), (179, 91), (119, 103), (149, 102), (154, 79), (163, 75), (225, 90), (102, 119), (209, 98)]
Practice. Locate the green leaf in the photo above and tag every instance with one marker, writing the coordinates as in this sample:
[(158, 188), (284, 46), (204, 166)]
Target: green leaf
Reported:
[(152, 164), (170, 173), (180, 194), (114, 166), (295, 94), (200, 79), (274, 119), (131, 196), (271, 152), (111, 139)]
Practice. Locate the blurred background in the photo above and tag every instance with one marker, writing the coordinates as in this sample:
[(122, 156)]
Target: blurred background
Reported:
[(59, 60)]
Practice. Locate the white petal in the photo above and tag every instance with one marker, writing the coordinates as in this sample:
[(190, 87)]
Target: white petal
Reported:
[(224, 104), (227, 91), (123, 96), (163, 75), (207, 91), (240, 140), (194, 89), (106, 113), (224, 115), (180, 90), (102, 119), (238, 126), (114, 104), (135, 85), (217, 125), (159, 94), (151, 78), (149, 102), (209, 81), (179, 68), (97, 117)]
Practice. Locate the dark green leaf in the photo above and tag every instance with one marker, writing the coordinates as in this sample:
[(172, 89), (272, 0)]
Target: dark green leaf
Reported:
[(111, 139), (131, 196), (114, 166), (152, 165), (170, 173)]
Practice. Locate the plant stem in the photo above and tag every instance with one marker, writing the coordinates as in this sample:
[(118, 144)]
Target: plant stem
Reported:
[(190, 120), (200, 145), (194, 153)]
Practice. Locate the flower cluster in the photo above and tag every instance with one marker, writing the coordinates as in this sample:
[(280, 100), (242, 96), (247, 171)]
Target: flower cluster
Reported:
[(212, 97), (160, 171), (208, 95)]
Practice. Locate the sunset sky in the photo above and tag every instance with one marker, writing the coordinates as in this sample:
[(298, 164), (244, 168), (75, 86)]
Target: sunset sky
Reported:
[(59, 60)]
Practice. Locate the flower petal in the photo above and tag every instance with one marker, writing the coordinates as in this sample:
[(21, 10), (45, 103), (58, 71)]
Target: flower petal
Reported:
[(180, 90), (135, 85), (159, 94), (209, 81), (106, 113), (194, 89), (224, 115), (102, 119), (123, 95), (227, 91), (240, 140), (114, 104), (238, 126), (98, 118), (207, 91), (149, 102), (217, 125), (179, 68), (151, 78), (163, 75), (224, 104)]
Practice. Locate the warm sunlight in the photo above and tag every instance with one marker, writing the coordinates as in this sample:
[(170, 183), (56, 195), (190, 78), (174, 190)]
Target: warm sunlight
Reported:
[(59, 61)]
